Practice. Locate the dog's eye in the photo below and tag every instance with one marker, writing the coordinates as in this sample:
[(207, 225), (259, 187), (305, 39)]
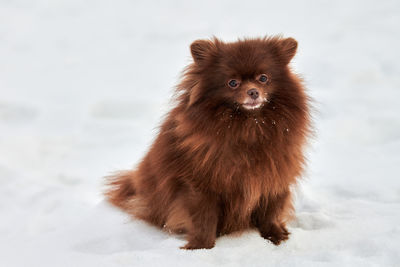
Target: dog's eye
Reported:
[(233, 83), (262, 78)]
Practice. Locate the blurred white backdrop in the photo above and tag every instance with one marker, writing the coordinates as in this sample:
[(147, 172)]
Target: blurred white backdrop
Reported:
[(84, 84)]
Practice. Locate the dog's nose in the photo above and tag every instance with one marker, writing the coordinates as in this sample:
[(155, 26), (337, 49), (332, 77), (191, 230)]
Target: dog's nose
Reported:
[(253, 93)]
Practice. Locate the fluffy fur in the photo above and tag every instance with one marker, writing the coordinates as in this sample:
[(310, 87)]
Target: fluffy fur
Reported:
[(224, 161)]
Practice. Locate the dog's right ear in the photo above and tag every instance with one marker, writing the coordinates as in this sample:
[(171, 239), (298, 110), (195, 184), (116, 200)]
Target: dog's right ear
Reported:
[(202, 50), (288, 48)]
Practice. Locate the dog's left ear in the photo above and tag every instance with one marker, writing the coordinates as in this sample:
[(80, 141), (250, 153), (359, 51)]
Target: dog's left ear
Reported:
[(288, 48), (202, 50)]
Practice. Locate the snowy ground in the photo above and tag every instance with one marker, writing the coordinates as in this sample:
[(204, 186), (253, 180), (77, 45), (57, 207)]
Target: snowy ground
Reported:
[(83, 85)]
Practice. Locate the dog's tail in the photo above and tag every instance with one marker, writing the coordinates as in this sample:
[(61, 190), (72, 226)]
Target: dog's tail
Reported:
[(120, 188)]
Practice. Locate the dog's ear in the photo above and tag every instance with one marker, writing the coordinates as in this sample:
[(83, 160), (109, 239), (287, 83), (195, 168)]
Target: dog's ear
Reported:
[(288, 48), (202, 50)]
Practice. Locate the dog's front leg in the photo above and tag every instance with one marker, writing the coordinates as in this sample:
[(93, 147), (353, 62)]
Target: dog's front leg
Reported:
[(268, 217), (204, 216)]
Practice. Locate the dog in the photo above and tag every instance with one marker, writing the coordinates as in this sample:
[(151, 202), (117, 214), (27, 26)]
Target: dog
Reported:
[(229, 152)]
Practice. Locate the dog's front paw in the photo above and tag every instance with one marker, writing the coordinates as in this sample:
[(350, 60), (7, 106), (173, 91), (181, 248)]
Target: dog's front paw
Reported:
[(193, 244), (276, 234)]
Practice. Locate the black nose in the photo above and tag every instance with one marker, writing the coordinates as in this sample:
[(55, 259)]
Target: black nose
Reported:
[(253, 93)]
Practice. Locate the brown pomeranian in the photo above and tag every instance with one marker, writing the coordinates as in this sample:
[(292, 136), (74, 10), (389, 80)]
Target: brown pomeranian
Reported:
[(227, 155)]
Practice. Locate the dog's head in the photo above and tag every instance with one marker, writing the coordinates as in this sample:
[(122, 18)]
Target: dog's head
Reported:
[(242, 74)]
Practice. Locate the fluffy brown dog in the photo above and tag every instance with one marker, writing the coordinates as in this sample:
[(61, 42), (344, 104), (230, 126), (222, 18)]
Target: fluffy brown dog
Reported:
[(228, 153)]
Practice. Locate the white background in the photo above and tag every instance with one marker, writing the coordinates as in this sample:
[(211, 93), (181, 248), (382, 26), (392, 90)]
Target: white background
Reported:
[(84, 84)]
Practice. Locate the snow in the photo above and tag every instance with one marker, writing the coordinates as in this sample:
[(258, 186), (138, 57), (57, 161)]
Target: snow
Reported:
[(84, 84)]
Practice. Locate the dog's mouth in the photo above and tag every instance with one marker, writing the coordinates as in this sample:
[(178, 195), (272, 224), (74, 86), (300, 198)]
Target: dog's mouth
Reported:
[(253, 104)]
